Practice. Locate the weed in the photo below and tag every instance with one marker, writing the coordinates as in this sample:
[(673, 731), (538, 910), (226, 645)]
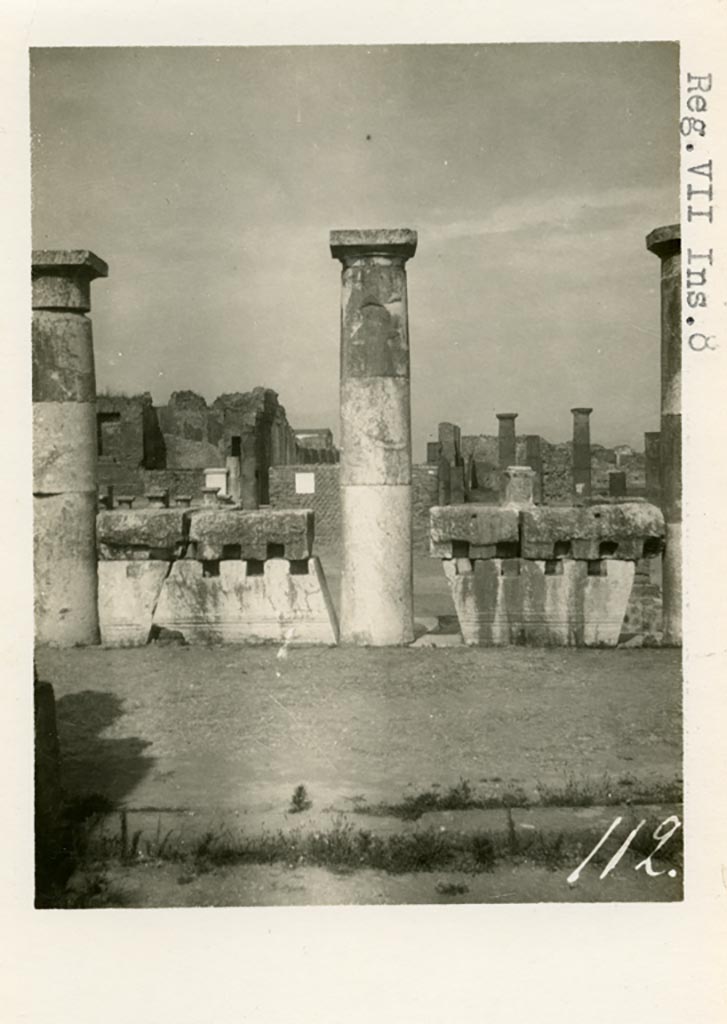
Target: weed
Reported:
[(451, 889), (299, 801)]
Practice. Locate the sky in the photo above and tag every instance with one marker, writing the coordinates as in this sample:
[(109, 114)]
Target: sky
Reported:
[(209, 180)]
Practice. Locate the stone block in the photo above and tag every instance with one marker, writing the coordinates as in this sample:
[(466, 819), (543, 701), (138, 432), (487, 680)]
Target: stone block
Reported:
[(518, 601), (127, 596), (228, 533), (376, 578), (230, 604), (63, 368), (627, 531), (473, 531), (65, 569), (128, 534), (64, 447)]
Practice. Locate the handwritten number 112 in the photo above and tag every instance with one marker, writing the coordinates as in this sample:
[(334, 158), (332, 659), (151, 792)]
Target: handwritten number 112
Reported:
[(662, 833)]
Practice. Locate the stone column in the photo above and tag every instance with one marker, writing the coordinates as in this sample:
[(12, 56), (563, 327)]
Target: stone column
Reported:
[(506, 447), (652, 466), (376, 578), (666, 243), (249, 490), (64, 448), (582, 452), (534, 459)]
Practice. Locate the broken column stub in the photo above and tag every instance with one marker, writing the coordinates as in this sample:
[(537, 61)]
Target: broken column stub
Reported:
[(473, 531), (260, 534), (142, 534), (64, 447), (665, 242), (376, 579), (582, 451), (626, 531)]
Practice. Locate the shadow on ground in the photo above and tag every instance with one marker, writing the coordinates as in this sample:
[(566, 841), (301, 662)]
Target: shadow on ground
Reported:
[(96, 773), (91, 763)]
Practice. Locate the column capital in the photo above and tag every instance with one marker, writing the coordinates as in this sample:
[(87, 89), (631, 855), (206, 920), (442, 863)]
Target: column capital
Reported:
[(62, 278), (581, 410), (665, 241), (353, 243), (507, 415)]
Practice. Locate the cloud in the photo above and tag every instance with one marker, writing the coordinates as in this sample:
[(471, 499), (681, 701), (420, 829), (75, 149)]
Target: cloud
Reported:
[(557, 212)]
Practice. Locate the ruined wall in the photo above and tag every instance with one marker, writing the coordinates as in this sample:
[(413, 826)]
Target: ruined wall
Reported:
[(187, 435), (557, 463), (424, 496)]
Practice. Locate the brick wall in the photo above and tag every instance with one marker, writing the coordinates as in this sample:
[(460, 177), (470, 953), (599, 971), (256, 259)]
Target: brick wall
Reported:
[(325, 500)]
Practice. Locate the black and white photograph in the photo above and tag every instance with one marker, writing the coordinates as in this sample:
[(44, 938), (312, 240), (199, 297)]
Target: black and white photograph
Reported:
[(364, 393), (357, 474)]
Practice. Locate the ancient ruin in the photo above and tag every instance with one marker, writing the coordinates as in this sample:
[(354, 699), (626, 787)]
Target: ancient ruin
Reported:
[(199, 519)]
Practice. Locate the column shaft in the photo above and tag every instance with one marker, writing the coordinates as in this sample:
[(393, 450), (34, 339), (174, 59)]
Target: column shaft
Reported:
[(375, 474), (666, 244), (582, 452), (64, 448)]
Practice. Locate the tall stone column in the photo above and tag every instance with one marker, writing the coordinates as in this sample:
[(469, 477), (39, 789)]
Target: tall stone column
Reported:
[(652, 466), (666, 243), (582, 452), (506, 445), (376, 579), (64, 448)]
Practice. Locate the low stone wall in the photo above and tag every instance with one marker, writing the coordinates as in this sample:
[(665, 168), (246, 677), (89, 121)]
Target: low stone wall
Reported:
[(211, 575), (548, 576)]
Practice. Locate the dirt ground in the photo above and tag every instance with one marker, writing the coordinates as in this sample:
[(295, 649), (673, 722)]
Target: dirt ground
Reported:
[(253, 885), (238, 728)]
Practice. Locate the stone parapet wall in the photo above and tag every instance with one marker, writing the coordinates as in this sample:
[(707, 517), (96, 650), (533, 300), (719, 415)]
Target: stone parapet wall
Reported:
[(560, 576), (211, 575)]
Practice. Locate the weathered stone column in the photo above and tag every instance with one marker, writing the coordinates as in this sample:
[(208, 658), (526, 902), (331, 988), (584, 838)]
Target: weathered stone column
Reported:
[(534, 459), (64, 448), (666, 243), (582, 452), (506, 445), (376, 580), (652, 466)]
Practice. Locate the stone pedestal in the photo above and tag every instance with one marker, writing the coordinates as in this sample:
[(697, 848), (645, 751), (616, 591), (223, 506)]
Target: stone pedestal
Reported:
[(64, 448), (665, 242), (582, 452), (519, 486), (617, 483), (376, 578)]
